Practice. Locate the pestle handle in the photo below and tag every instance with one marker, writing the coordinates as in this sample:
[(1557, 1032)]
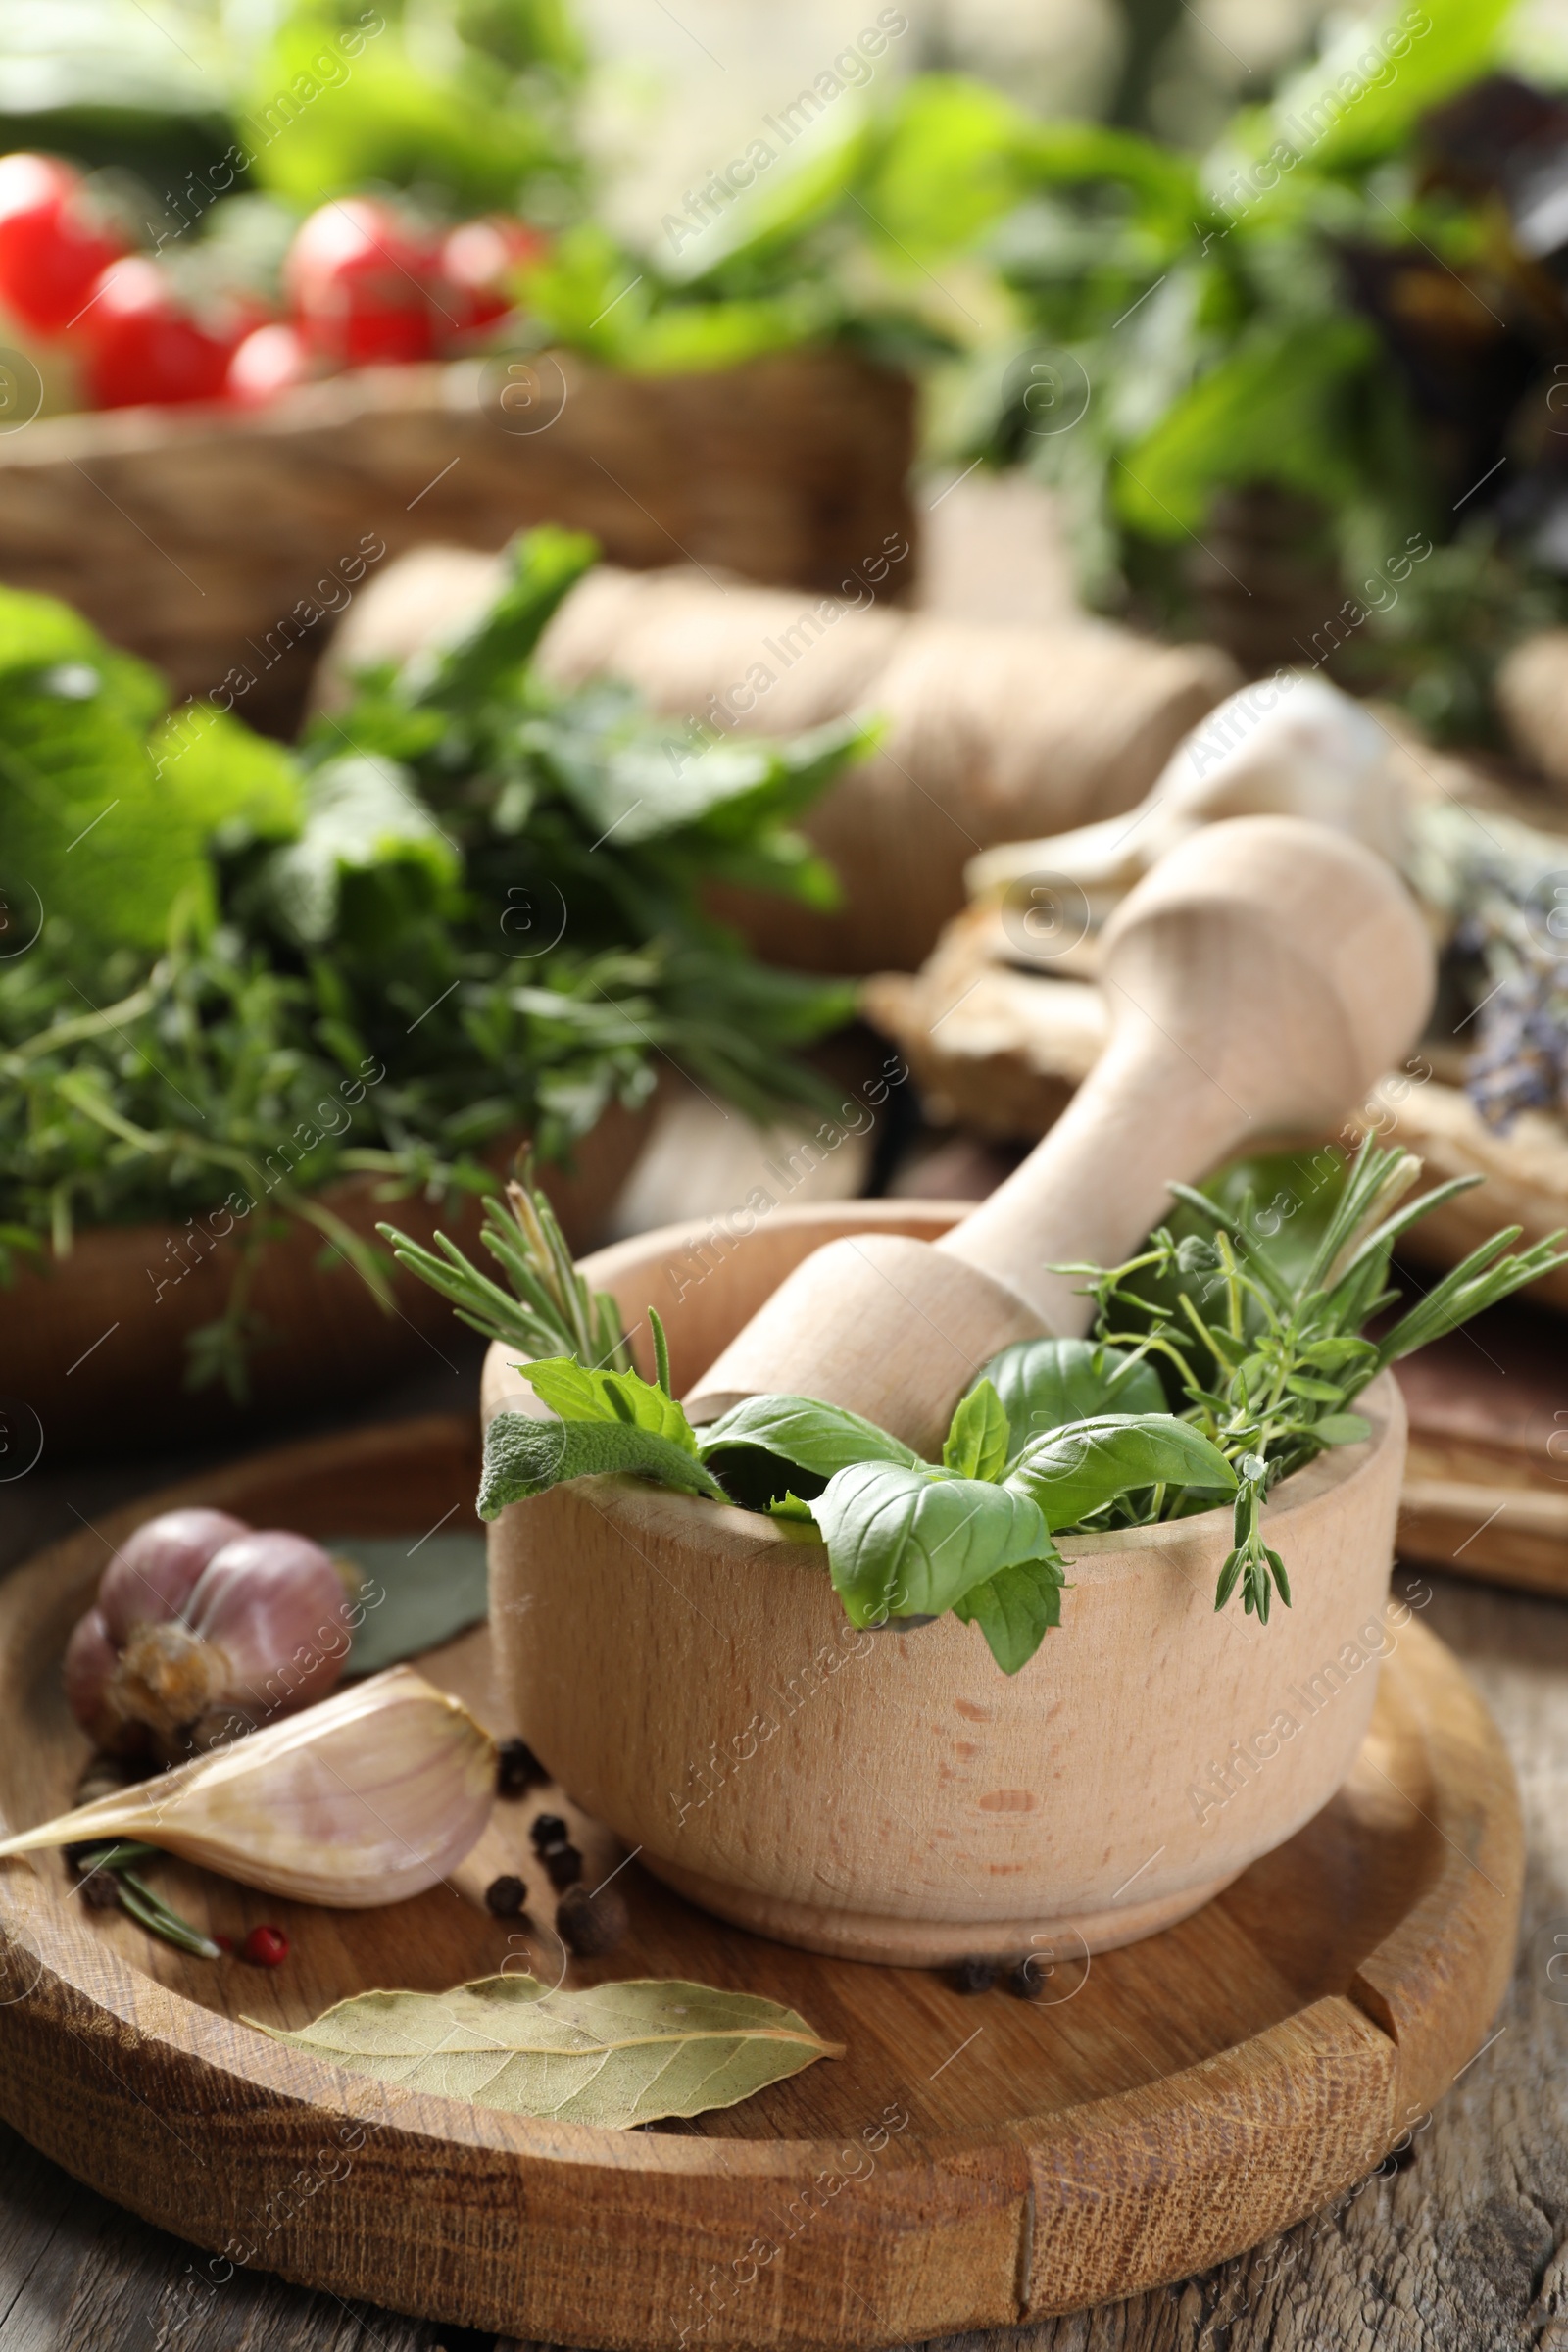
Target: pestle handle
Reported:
[(1261, 978), (1101, 1177), (1265, 974)]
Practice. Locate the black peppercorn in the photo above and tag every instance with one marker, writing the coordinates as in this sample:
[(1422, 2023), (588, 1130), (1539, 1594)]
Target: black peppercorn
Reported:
[(100, 1890), (590, 1925), (1026, 1979), (505, 1896), (517, 1768), (549, 1829), (563, 1865), (974, 1976)]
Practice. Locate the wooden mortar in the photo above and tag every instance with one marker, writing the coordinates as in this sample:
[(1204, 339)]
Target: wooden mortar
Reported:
[(688, 1673)]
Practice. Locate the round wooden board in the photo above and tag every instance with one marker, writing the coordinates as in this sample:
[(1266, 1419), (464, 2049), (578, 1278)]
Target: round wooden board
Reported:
[(970, 2161)]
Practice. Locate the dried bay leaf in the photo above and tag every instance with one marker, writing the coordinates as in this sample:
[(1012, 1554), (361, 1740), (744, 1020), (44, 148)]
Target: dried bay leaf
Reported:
[(416, 1593), (612, 2055)]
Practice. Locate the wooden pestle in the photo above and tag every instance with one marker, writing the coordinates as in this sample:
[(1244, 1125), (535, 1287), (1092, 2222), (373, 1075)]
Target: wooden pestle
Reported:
[(1261, 978)]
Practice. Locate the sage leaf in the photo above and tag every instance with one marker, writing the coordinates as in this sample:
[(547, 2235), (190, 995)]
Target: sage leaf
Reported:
[(1015, 1610), (1070, 1472), (979, 1443), (1045, 1383), (524, 1457), (907, 1543), (578, 1394), (1342, 1428), (614, 2055), (759, 1443)]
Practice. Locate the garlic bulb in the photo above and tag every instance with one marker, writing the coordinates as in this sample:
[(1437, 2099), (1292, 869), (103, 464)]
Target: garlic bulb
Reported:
[(367, 1798), (204, 1626)]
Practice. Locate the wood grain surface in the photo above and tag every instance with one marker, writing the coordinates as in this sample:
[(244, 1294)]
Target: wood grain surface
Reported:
[(1458, 2241), (980, 2160)]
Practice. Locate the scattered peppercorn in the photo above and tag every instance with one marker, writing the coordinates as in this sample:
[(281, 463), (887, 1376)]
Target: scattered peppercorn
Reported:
[(974, 1976), (1026, 1979), (100, 1890), (590, 1925), (505, 1896), (265, 1947), (549, 1829), (563, 1866), (517, 1768)]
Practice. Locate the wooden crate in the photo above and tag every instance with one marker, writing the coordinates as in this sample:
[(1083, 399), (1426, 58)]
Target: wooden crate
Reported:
[(222, 545)]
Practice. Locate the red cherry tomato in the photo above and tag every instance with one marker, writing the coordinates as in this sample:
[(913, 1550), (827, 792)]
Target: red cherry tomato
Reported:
[(142, 344), (265, 1947), (271, 360), (362, 285), (479, 260), (52, 246)]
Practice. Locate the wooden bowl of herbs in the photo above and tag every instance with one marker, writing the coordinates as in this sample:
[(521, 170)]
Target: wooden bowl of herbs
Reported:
[(1073, 1756), (250, 996)]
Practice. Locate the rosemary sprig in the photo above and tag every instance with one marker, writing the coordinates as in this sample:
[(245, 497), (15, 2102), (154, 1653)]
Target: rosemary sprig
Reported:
[(549, 1310), (139, 1901)]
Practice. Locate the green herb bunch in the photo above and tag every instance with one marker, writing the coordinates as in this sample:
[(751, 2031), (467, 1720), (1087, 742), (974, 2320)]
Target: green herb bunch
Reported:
[(1265, 1347), (469, 906), (1223, 1359)]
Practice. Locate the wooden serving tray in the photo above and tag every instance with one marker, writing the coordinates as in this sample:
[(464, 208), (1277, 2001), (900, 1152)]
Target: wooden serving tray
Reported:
[(969, 2162)]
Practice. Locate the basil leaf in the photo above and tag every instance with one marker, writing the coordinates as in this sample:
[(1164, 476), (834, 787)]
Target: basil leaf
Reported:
[(576, 1393), (1045, 1383), (1342, 1428), (1072, 1472), (909, 1542), (802, 1431), (979, 1444), (1015, 1610), (524, 1457)]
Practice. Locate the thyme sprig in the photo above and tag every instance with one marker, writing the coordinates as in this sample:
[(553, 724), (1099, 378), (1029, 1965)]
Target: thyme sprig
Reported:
[(1269, 1360)]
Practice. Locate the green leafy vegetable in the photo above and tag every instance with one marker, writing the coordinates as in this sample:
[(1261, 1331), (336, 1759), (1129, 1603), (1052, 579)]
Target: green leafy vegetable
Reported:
[(1041, 1384), (1015, 1610), (578, 1393), (1076, 1471), (363, 820), (761, 1444), (385, 956), (524, 1457), (911, 1543), (612, 2055), (979, 1442)]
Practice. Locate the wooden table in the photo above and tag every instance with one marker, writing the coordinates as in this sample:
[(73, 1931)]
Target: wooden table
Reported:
[(1461, 2241)]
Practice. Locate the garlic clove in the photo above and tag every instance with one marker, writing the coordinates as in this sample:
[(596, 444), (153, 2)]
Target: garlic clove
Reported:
[(367, 1798), (155, 1571), (274, 1604)]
